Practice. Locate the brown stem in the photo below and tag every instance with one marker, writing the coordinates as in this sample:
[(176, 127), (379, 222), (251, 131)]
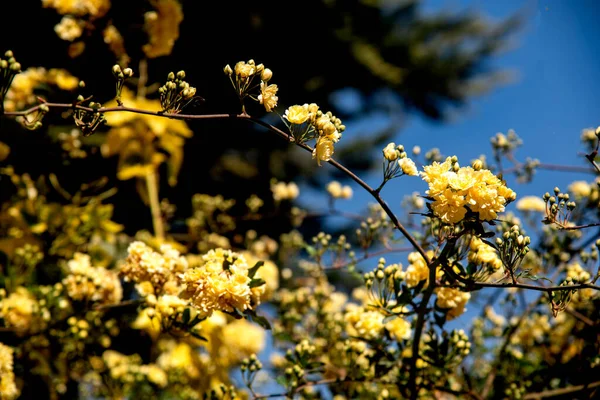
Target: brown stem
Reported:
[(561, 391)]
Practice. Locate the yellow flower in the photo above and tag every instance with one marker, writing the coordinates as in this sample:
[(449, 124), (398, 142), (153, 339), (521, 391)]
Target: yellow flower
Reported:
[(88, 283), (148, 320), (337, 191), (8, 388), (297, 114), (400, 328), (245, 70), (531, 203), (284, 191), (408, 167), (363, 323), (93, 8), (390, 153), (69, 28), (323, 149), (162, 27), (221, 283), (267, 96), (580, 189), (453, 299), (22, 311)]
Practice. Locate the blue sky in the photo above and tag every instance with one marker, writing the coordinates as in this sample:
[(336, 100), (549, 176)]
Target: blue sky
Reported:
[(553, 95)]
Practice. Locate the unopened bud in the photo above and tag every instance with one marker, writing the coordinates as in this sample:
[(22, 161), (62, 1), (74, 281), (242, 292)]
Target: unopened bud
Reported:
[(181, 75), (116, 69), (227, 70), (266, 75), (128, 72)]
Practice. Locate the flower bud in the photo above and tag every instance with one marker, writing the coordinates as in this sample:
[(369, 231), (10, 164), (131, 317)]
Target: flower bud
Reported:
[(116, 69), (171, 76), (128, 72), (181, 75), (266, 74), (227, 70), (16, 67)]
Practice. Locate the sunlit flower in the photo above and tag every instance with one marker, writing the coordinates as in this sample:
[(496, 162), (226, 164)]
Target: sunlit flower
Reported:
[(69, 28), (267, 96), (408, 166), (297, 114), (8, 387), (323, 150), (531, 203), (453, 299)]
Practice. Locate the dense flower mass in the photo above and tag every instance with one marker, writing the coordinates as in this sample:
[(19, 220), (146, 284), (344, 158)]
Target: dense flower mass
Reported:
[(456, 192), (452, 299), (8, 388), (221, 283), (88, 283), (150, 269)]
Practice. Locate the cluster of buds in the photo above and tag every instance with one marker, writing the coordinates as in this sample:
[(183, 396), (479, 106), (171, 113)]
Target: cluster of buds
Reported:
[(250, 367), (89, 119), (558, 208), (527, 170), (120, 75), (242, 77), (504, 144), (176, 93), (512, 248), (8, 69), (384, 284), (396, 163), (300, 359)]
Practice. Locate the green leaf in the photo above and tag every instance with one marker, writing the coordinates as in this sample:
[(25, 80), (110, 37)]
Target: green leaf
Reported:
[(198, 336), (186, 316), (256, 282), (252, 271), (259, 319)]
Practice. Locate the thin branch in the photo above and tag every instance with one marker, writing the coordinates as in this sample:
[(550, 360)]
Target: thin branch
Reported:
[(561, 391)]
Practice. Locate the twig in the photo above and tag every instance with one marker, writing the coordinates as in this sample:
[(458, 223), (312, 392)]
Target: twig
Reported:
[(561, 391)]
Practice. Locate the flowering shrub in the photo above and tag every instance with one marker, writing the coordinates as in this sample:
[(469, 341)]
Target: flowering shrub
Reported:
[(90, 309)]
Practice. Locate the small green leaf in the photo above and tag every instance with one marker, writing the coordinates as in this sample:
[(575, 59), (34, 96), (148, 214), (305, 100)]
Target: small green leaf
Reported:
[(186, 316), (256, 282), (252, 271)]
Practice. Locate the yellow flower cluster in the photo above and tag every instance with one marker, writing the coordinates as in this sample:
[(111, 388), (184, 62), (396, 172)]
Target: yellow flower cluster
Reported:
[(221, 283), (23, 312), (577, 273), (21, 90), (368, 324), (284, 191), (80, 8), (531, 330), (455, 192), (162, 26), (325, 126), (365, 324), (91, 284), (337, 191), (531, 203), (483, 254), (128, 369), (417, 269), (453, 299), (8, 387), (154, 272), (69, 28), (245, 72)]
